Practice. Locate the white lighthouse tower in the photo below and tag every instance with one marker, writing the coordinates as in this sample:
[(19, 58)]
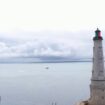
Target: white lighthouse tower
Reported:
[(97, 87)]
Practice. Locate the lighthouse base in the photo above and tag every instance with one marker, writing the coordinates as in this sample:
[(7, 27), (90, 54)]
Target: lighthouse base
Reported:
[(87, 103), (83, 103)]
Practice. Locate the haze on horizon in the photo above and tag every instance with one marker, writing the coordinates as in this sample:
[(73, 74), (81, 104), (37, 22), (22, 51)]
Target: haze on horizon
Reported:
[(49, 28)]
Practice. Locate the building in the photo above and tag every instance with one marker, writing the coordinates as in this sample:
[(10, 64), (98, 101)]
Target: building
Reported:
[(97, 86)]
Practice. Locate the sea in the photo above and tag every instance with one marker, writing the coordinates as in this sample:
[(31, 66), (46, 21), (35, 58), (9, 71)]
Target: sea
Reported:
[(44, 83)]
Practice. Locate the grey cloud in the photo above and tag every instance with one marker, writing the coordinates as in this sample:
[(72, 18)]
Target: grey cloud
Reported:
[(48, 45)]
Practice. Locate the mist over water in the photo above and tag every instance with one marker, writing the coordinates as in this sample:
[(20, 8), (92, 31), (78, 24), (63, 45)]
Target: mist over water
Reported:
[(35, 84)]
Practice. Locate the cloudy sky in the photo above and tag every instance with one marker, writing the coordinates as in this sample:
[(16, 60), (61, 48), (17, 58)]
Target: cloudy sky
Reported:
[(49, 28)]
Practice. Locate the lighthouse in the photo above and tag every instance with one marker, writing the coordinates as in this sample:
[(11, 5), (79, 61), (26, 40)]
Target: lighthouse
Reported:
[(97, 86)]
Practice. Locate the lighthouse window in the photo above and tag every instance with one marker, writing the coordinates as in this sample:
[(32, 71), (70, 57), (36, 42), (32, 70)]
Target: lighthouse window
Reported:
[(100, 54), (92, 71), (93, 59), (102, 97), (100, 47), (93, 48)]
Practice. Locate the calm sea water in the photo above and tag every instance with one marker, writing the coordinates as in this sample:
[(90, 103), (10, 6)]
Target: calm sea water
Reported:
[(34, 84)]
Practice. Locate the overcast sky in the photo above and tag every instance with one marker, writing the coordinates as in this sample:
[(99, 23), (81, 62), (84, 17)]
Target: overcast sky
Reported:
[(56, 28)]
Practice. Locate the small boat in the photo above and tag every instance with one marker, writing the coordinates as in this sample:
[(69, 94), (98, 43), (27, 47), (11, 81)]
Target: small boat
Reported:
[(46, 67)]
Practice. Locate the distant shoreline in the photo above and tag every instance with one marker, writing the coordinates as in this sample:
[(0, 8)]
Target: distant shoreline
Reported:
[(44, 62)]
